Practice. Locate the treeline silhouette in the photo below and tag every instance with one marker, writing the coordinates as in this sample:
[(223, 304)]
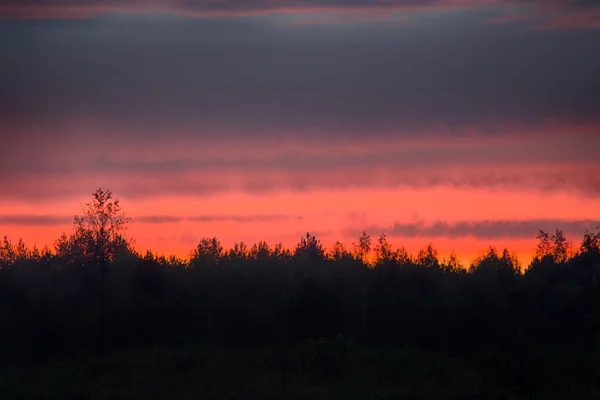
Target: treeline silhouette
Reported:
[(532, 330)]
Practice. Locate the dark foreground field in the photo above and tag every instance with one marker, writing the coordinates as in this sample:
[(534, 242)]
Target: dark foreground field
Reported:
[(322, 369), (312, 370)]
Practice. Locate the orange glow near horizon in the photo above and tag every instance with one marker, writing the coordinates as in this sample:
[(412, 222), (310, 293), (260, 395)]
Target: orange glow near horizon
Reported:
[(330, 214)]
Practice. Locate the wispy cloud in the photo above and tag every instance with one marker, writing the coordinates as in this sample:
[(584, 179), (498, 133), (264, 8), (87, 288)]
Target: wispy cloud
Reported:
[(157, 219), (487, 229), (545, 159), (35, 220), (60, 220), (242, 218), (576, 180)]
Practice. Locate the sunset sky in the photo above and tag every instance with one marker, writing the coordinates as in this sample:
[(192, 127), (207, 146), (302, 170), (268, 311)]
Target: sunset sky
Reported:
[(461, 123)]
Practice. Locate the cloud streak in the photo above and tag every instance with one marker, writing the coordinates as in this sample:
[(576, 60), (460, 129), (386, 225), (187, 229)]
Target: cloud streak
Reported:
[(545, 159), (60, 220), (35, 220), (487, 229), (547, 14), (158, 219), (242, 218), (579, 180)]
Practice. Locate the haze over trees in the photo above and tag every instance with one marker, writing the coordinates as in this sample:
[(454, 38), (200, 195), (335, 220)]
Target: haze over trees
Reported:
[(493, 327)]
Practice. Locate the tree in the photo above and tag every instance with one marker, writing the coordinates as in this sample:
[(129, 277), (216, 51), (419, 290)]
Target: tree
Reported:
[(452, 263), (491, 263), (560, 247), (311, 247), (7, 252), (553, 247), (544, 246), (383, 250), (339, 252), (209, 251), (239, 251), (280, 253), (591, 243), (402, 257), (99, 231), (428, 257), (363, 247), (589, 252), (510, 264), (260, 251)]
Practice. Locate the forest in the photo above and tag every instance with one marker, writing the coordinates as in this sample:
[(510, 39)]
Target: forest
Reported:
[(93, 318)]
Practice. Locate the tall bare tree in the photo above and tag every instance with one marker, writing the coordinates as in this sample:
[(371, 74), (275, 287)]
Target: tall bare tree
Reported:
[(100, 229)]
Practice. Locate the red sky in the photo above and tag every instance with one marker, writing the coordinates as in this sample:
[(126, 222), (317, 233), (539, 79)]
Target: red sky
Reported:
[(498, 191), (461, 124), (331, 214)]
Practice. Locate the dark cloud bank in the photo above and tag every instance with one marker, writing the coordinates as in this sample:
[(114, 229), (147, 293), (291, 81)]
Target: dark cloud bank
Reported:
[(487, 229), (254, 76)]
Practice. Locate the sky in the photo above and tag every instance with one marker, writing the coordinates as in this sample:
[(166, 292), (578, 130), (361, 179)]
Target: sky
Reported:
[(463, 124)]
